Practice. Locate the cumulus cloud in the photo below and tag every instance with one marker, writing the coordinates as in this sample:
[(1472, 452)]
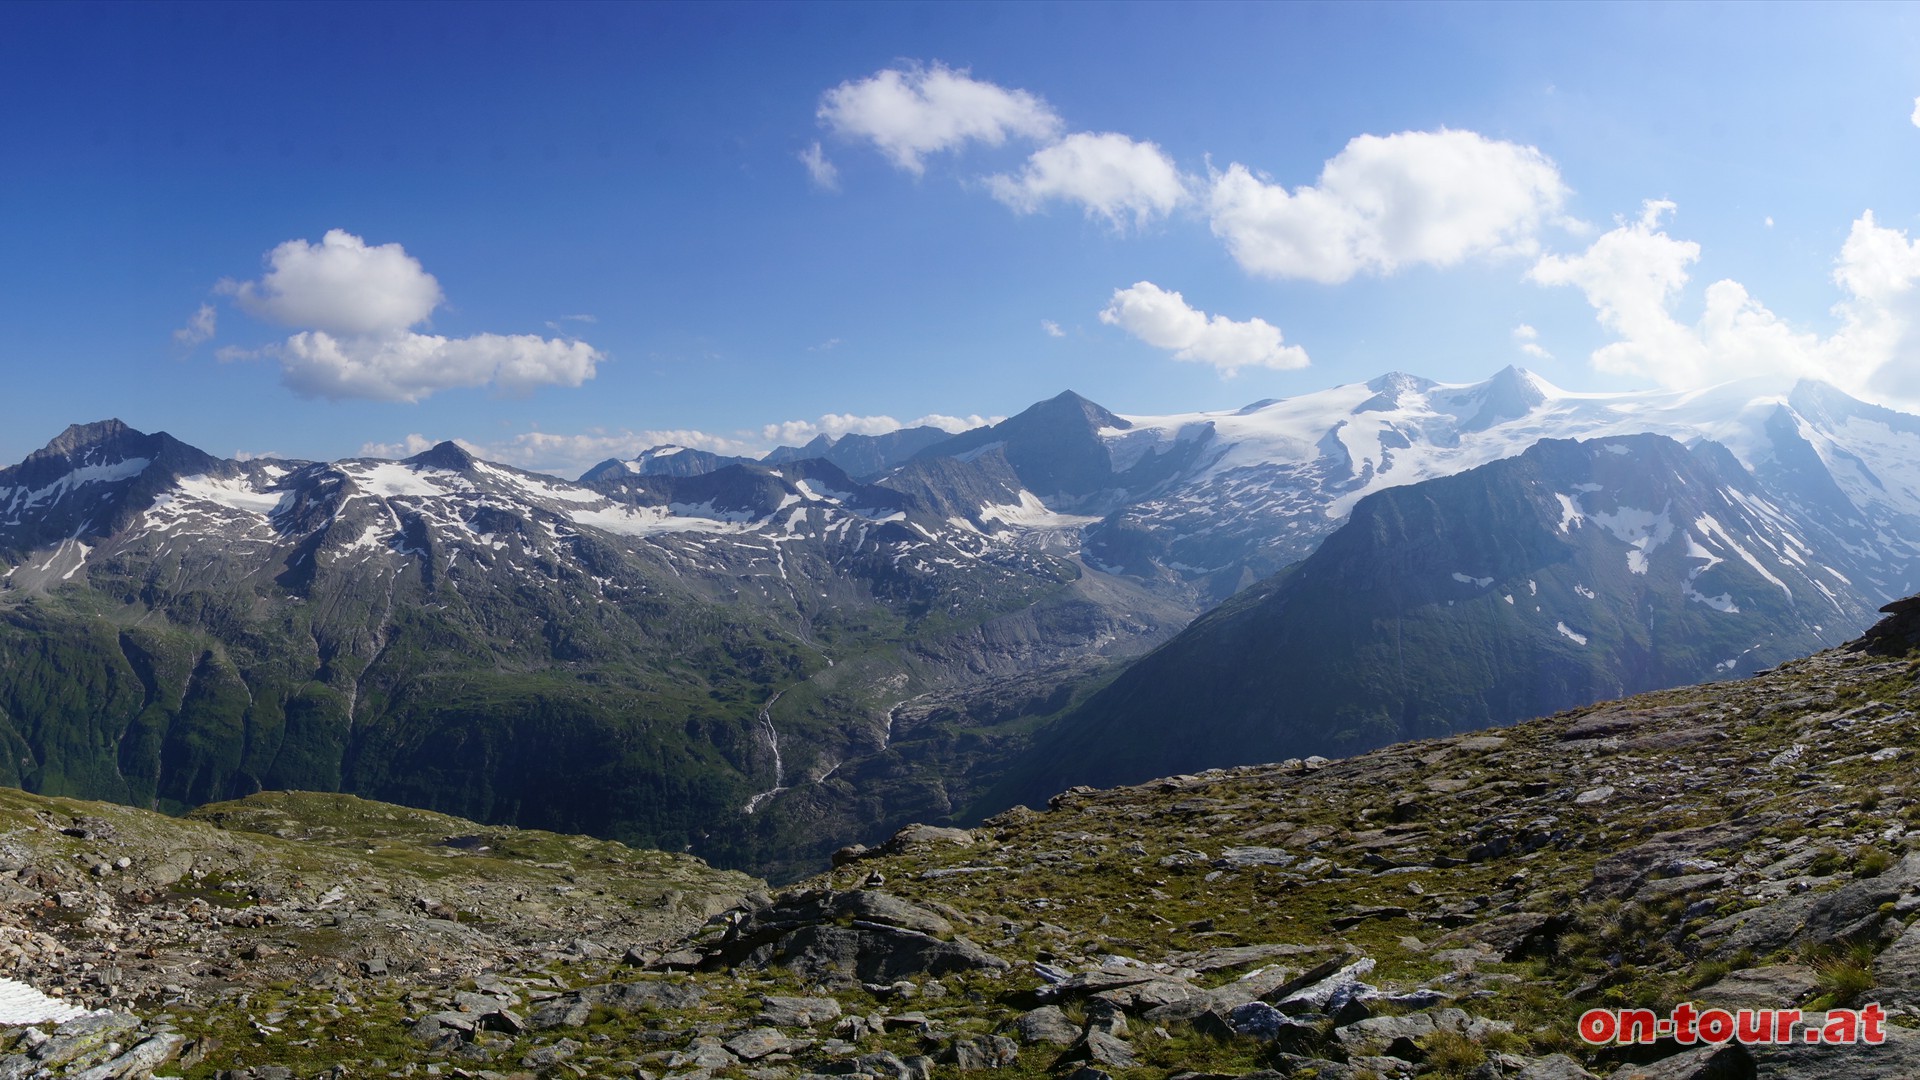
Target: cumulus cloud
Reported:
[(406, 447), (834, 425), (357, 304), (910, 112), (1877, 349), (821, 171), (1051, 328), (1528, 339), (200, 326), (1111, 175), (1635, 274), (1164, 320), (340, 285), (411, 367), (1386, 202), (1916, 112)]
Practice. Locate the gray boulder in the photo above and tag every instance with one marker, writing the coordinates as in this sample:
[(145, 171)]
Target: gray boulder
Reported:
[(981, 1052), (1046, 1024)]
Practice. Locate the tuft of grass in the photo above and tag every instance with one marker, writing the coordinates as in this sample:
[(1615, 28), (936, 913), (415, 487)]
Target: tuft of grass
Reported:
[(1843, 974), (1826, 862), (1872, 863), (1450, 1053)]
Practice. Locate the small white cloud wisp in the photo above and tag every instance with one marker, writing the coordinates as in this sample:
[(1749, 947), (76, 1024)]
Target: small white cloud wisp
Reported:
[(1528, 339), (200, 327)]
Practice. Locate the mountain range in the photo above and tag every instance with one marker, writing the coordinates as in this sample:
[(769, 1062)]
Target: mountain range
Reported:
[(758, 660)]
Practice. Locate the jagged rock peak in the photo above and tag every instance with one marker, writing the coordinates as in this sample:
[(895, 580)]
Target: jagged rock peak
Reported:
[(445, 454), (80, 436)]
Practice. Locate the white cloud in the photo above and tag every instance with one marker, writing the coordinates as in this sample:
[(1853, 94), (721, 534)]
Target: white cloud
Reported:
[(412, 444), (341, 286), (200, 326), (357, 304), (1112, 176), (410, 367), (1769, 221), (908, 113), (1163, 320), (1419, 197), (1528, 339), (1634, 276), (834, 425), (1916, 112), (1877, 349), (558, 325), (828, 345), (955, 424), (823, 173), (1051, 328)]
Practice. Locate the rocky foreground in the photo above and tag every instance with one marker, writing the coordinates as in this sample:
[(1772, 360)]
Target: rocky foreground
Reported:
[(1445, 908)]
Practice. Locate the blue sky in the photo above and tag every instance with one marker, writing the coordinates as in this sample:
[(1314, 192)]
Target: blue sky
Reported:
[(562, 233)]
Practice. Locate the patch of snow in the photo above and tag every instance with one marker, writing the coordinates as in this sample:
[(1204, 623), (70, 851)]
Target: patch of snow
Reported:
[(1463, 579), (21, 1004), (1723, 602), (1570, 514), (1031, 513), (22, 498), (1706, 524), (1584, 591), (389, 479), (234, 494), (84, 552), (1576, 638), (652, 520)]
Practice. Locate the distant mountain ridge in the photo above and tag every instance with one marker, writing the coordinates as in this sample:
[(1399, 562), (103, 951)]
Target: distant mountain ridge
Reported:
[(649, 652)]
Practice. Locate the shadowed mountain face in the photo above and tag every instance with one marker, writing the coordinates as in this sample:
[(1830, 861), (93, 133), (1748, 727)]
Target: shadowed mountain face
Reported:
[(1571, 574)]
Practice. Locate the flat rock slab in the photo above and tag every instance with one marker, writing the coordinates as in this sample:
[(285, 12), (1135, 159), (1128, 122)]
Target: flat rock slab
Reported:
[(798, 1011), (1896, 1059), (1776, 986)]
